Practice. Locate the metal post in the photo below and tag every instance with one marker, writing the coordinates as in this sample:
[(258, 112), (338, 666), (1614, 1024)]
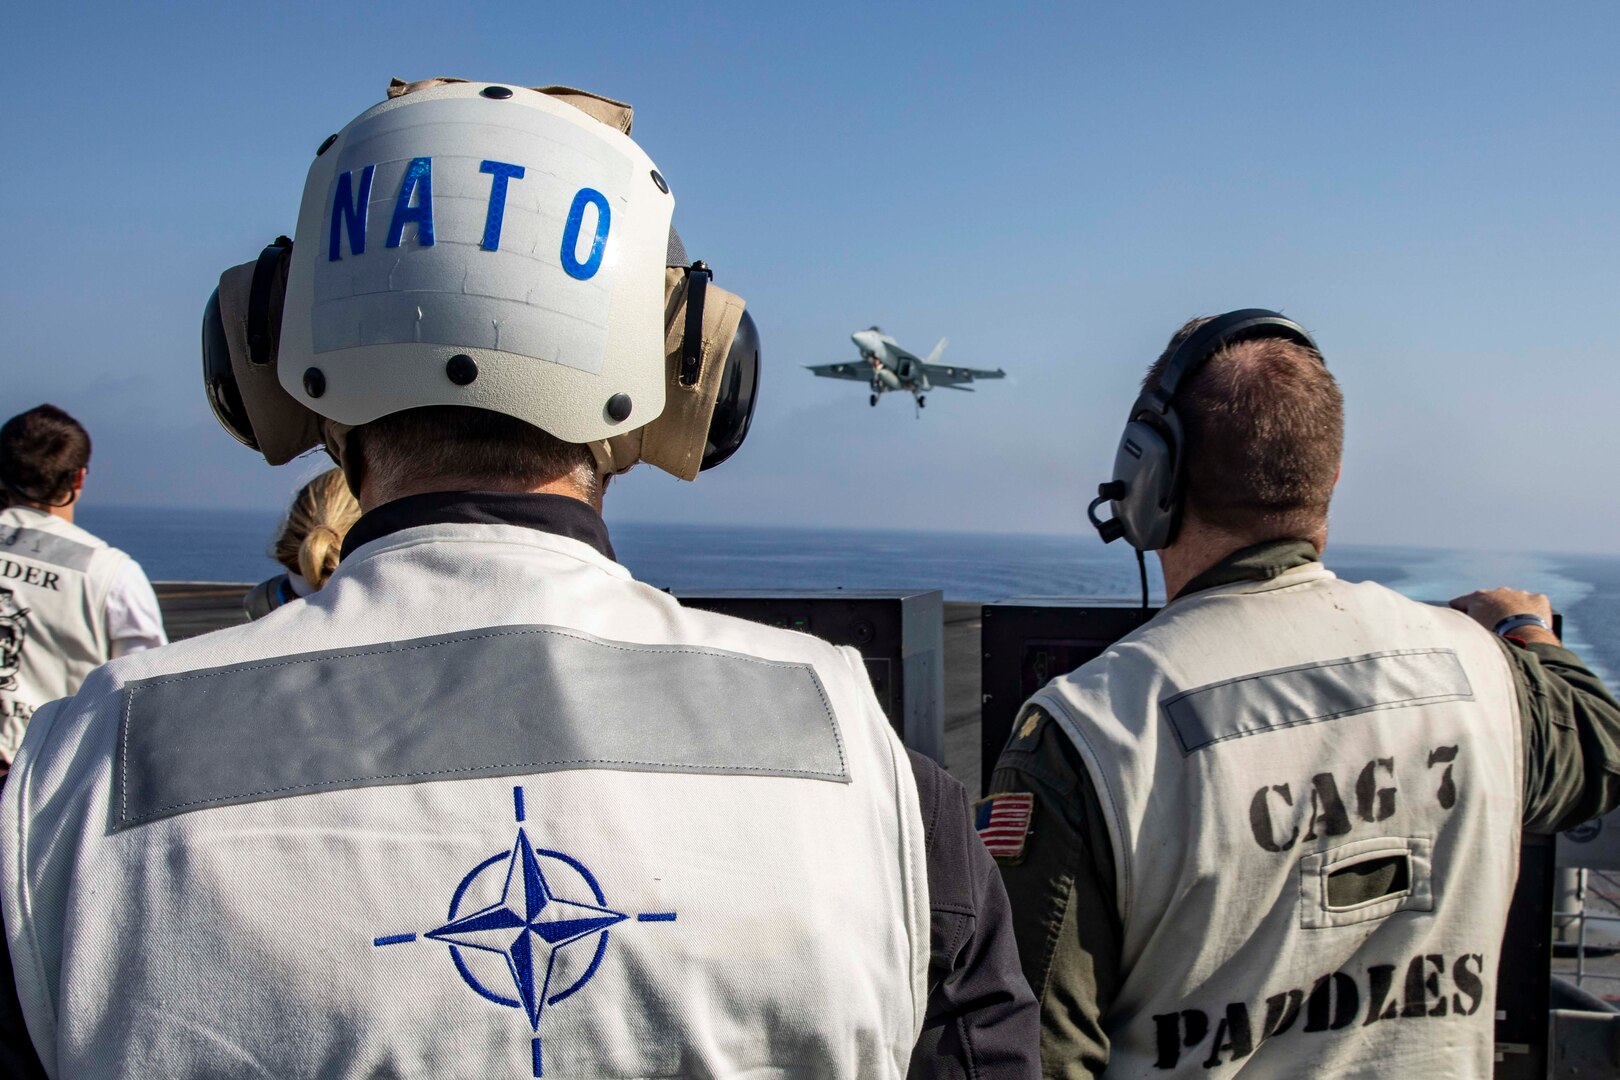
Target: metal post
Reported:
[(1566, 904), (1580, 940)]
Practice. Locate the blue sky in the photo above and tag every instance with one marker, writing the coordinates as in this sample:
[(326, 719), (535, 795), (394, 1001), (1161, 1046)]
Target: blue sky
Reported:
[(1430, 188)]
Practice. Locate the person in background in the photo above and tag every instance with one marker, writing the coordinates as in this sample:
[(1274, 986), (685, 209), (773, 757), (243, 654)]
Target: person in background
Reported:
[(310, 541), (1275, 829), (68, 601)]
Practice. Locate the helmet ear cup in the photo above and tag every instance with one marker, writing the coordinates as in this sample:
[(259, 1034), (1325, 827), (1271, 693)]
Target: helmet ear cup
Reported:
[(739, 390), (712, 374), (219, 377), (266, 296), (249, 299), (223, 351)]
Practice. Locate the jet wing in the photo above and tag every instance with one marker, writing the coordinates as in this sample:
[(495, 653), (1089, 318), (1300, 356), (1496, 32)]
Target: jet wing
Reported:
[(855, 372), (952, 376)]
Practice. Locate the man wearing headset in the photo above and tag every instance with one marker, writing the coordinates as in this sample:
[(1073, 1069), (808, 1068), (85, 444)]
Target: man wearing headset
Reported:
[(484, 806), (1275, 829), (68, 601)]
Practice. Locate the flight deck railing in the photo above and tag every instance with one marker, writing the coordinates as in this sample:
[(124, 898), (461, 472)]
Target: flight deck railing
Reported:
[(1580, 917)]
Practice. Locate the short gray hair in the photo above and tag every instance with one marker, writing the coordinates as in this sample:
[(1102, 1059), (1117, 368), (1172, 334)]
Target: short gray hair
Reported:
[(467, 448), (1263, 421)]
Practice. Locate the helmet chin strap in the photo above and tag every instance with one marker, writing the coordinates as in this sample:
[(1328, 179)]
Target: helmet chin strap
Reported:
[(335, 440), (607, 462)]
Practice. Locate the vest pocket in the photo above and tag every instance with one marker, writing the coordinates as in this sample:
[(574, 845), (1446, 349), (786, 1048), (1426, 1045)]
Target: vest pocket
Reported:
[(1381, 877), (1365, 880)]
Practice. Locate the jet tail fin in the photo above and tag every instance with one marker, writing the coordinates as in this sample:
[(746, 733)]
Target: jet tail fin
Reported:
[(933, 357)]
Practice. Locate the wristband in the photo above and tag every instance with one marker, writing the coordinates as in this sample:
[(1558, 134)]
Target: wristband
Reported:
[(1513, 622)]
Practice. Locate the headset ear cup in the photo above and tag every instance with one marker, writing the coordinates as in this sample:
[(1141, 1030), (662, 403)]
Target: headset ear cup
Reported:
[(1145, 464), (1174, 498)]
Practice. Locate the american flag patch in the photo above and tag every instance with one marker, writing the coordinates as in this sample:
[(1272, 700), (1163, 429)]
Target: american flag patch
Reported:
[(1003, 822)]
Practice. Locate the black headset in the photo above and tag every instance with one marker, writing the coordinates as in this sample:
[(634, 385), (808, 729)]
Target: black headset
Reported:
[(263, 334), (1150, 468), (728, 426)]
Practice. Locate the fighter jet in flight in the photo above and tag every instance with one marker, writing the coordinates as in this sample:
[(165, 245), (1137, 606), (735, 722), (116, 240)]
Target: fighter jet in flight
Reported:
[(885, 366)]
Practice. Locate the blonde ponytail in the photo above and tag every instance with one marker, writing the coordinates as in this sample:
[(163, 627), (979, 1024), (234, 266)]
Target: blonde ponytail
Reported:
[(318, 554), (311, 538)]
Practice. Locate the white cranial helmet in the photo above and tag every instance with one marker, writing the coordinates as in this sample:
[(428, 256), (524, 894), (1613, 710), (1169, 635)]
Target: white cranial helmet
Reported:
[(487, 246)]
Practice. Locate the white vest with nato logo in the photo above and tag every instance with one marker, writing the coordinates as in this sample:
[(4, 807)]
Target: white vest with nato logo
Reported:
[(483, 806)]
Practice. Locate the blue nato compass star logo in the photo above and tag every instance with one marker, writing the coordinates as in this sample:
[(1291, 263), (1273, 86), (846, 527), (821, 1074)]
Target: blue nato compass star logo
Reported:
[(540, 940)]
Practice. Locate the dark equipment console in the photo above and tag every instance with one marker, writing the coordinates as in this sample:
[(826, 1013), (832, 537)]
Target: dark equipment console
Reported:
[(900, 635), (1027, 642), (1030, 640)]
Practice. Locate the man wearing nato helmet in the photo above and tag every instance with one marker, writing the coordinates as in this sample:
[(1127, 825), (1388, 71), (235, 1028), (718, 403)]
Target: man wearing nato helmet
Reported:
[(1273, 832), (484, 806)]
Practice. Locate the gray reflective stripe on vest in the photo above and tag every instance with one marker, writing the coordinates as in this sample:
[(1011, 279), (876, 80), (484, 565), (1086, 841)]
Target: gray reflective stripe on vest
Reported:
[(46, 547), (1287, 697), (502, 701)]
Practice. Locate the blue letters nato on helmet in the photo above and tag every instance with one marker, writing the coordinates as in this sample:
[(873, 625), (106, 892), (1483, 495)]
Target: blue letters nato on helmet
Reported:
[(347, 210), (417, 185), (586, 270), (414, 205), (500, 173)]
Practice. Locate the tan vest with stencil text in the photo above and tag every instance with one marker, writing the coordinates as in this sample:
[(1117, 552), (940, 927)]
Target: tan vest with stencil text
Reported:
[(1313, 791)]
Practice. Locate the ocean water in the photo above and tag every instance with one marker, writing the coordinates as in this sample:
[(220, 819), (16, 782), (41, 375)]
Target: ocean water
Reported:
[(231, 545)]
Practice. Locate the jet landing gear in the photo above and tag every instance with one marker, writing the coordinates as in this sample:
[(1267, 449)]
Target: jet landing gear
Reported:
[(873, 401), (922, 403)]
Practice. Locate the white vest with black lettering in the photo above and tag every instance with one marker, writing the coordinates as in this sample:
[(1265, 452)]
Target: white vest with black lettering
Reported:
[(1313, 792), (483, 806), (54, 580)]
